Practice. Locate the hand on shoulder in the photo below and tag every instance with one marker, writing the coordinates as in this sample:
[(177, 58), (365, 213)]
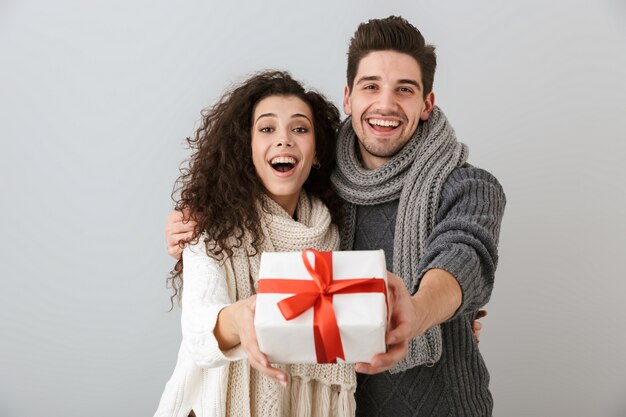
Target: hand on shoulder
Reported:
[(178, 230)]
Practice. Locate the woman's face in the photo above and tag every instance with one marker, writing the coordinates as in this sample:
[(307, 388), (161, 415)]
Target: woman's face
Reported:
[(283, 147)]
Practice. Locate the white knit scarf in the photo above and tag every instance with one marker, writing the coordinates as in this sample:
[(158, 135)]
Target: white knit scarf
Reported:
[(314, 390), (415, 176)]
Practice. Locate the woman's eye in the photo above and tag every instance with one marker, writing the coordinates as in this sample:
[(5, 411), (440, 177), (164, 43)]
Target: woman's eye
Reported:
[(300, 130), (266, 129)]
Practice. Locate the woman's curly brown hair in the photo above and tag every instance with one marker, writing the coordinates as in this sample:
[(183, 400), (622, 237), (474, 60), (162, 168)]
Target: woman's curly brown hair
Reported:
[(220, 185)]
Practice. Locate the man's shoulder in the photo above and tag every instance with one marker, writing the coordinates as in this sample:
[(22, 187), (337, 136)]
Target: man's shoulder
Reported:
[(468, 174), (470, 182), (469, 171)]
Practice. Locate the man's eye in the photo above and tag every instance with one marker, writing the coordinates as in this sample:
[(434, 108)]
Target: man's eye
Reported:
[(405, 90), (370, 87)]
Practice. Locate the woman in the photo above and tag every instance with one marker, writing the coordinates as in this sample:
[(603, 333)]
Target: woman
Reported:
[(258, 180)]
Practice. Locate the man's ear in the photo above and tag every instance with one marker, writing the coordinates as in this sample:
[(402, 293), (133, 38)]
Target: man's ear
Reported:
[(429, 104), (347, 108)]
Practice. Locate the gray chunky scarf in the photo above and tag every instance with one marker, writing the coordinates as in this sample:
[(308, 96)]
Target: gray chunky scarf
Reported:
[(415, 176)]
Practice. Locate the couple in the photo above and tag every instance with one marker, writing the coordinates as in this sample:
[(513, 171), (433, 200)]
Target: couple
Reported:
[(264, 176)]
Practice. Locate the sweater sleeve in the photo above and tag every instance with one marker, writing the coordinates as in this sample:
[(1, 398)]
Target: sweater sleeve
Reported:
[(205, 294), (464, 240)]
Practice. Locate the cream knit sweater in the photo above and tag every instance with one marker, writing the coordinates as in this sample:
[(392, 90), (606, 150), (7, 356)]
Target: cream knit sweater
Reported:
[(202, 379)]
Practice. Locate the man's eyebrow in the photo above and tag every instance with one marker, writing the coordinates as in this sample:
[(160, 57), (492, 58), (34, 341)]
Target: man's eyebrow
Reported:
[(400, 81), (411, 82), (368, 78)]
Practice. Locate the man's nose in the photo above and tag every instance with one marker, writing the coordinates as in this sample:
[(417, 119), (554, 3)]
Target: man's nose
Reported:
[(386, 100)]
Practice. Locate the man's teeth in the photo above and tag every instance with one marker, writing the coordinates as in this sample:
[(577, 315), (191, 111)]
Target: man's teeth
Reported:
[(283, 160), (385, 123)]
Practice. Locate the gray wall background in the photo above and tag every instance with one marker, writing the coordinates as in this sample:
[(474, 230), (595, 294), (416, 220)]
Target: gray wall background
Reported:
[(96, 98)]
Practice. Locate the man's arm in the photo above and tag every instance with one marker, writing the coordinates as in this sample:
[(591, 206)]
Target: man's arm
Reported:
[(464, 240), (438, 297), (459, 263)]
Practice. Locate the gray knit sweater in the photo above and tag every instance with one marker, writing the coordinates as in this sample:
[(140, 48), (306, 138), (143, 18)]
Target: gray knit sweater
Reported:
[(463, 242)]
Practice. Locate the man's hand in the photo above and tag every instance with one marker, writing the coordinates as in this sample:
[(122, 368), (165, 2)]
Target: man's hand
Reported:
[(476, 325), (178, 230), (438, 298), (404, 325)]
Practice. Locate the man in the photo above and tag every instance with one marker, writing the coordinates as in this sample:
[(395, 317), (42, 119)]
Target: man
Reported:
[(410, 192)]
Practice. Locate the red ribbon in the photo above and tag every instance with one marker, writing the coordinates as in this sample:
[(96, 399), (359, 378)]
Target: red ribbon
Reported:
[(319, 295)]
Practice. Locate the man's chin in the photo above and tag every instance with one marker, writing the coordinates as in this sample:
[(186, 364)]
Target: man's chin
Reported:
[(382, 147)]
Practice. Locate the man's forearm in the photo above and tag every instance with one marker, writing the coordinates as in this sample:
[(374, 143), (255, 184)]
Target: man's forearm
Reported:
[(438, 298)]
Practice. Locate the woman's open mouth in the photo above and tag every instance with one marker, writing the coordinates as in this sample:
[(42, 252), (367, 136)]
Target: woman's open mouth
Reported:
[(283, 164)]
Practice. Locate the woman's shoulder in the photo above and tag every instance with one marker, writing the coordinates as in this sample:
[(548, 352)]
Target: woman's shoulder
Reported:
[(197, 246), (209, 251), (202, 247)]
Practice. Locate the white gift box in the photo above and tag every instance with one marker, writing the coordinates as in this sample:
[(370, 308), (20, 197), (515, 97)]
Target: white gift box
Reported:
[(361, 316)]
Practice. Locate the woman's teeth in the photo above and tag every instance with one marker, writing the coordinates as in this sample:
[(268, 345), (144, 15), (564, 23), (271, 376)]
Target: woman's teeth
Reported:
[(283, 160), (283, 163)]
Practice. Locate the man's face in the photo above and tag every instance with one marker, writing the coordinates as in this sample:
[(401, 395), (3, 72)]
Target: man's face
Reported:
[(386, 103)]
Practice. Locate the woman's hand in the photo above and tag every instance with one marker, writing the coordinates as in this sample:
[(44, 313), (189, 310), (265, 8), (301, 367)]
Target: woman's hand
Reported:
[(239, 317)]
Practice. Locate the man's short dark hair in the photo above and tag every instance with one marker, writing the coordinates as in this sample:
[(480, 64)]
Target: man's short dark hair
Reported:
[(393, 33)]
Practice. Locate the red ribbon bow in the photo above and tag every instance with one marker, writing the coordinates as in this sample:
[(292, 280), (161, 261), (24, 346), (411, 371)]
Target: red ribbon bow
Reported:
[(319, 295)]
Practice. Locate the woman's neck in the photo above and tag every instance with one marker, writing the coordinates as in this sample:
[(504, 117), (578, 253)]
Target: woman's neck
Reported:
[(288, 203)]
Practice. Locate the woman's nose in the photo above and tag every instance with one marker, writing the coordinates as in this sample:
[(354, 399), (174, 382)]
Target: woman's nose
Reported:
[(283, 139)]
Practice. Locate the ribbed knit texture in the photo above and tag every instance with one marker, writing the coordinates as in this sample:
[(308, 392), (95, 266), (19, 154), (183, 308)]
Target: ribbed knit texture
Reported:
[(216, 383), (315, 390), (415, 177), (463, 242)]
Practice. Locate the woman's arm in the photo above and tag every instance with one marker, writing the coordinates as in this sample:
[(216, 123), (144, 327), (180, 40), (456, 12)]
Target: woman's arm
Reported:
[(216, 330), (205, 295)]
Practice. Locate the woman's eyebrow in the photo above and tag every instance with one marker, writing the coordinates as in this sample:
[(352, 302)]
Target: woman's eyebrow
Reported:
[(265, 115), (300, 115), (293, 116)]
